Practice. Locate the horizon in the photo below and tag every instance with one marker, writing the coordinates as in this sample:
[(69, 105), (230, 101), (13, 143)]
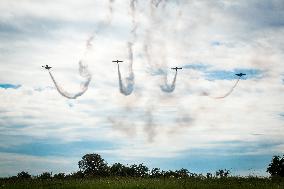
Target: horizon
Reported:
[(202, 117)]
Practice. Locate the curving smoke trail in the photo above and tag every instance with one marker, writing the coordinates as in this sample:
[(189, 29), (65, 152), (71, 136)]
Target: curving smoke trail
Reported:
[(226, 94), (83, 69), (102, 26), (166, 87), (84, 72), (127, 89), (133, 16), (230, 91)]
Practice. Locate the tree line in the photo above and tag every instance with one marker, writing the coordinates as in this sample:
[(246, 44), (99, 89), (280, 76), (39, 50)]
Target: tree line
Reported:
[(93, 165)]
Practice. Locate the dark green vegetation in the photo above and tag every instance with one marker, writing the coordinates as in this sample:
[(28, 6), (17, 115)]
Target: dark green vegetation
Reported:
[(95, 173), (145, 183), (276, 167)]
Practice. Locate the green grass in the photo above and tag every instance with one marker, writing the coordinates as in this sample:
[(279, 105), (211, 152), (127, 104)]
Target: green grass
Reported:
[(145, 183)]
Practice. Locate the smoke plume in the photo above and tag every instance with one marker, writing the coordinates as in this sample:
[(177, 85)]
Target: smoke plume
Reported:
[(230, 91), (83, 68), (166, 87), (128, 88), (84, 73), (226, 94), (129, 81)]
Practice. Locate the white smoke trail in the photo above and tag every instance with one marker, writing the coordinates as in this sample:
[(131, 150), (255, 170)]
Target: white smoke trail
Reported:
[(166, 87), (127, 89), (110, 8), (133, 16), (102, 26), (83, 71), (230, 91), (226, 94), (83, 68)]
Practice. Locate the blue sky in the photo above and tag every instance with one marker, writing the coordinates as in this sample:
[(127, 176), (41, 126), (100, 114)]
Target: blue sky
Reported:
[(9, 86), (40, 130)]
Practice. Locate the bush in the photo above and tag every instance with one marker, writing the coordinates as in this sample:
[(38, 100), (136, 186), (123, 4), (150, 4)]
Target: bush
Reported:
[(222, 173), (45, 175), (276, 167), (24, 175), (59, 176), (76, 175), (156, 172)]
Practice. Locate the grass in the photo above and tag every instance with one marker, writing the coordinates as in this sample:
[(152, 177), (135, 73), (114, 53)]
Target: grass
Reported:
[(145, 183)]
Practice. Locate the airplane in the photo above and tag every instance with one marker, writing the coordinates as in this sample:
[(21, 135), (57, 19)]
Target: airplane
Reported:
[(176, 68), (46, 67), (117, 61), (240, 74)]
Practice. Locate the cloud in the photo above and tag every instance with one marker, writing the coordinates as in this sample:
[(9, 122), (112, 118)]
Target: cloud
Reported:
[(211, 45)]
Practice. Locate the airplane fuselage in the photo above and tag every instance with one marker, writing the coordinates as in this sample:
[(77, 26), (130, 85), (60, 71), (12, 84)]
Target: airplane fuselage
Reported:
[(46, 67), (240, 74), (176, 68)]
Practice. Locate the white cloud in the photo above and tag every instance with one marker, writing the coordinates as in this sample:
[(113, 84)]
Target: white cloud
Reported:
[(147, 123)]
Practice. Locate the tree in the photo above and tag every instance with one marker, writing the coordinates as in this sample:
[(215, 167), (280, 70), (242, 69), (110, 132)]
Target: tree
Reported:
[(24, 175), (118, 169), (76, 175), (156, 172), (93, 165), (208, 175), (182, 172), (59, 176), (45, 175), (170, 174), (276, 167), (137, 170), (141, 170), (222, 173)]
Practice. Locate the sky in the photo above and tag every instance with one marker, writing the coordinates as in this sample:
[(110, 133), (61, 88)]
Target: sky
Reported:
[(150, 119)]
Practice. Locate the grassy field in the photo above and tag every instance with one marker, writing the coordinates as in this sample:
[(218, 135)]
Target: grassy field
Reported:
[(145, 183)]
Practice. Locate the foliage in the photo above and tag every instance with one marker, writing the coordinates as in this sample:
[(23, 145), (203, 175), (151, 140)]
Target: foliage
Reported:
[(76, 175), (95, 173), (209, 175), (45, 175), (24, 175), (93, 165), (156, 173), (182, 173), (59, 176), (276, 167), (222, 173), (138, 170), (146, 183), (118, 169)]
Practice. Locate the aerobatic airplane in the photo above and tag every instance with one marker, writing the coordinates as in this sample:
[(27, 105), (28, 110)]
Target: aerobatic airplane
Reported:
[(117, 61), (240, 74), (46, 67), (176, 68)]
